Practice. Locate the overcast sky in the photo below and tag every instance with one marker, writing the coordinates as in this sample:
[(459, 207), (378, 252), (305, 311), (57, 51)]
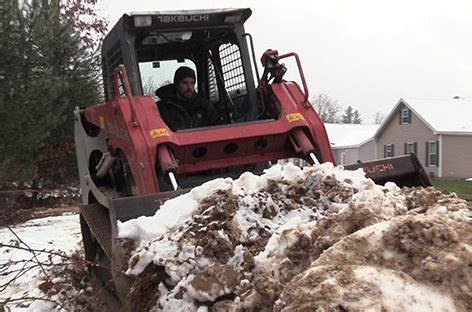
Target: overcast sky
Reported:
[(363, 53)]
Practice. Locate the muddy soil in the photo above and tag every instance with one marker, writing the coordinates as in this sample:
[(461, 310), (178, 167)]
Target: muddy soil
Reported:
[(236, 255)]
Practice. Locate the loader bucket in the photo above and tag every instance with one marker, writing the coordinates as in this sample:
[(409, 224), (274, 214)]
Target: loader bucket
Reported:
[(402, 170)]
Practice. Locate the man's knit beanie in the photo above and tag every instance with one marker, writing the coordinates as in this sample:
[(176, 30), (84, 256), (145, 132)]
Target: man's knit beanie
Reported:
[(183, 72)]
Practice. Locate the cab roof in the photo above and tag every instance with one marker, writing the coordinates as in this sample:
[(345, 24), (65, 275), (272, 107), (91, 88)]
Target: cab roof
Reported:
[(175, 20)]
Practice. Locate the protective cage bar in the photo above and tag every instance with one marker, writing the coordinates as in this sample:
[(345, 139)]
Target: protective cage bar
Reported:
[(232, 67)]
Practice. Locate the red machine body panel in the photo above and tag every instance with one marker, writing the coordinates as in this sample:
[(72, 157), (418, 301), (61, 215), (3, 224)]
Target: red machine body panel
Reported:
[(152, 149)]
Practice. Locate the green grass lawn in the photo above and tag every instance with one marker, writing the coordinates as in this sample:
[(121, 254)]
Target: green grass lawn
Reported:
[(462, 188)]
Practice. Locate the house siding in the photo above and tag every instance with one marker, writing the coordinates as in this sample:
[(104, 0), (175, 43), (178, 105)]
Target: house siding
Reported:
[(399, 134), (367, 151), (363, 152), (351, 154), (456, 156)]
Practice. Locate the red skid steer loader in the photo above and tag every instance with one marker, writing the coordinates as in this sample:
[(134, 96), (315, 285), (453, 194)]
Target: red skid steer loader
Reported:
[(130, 160)]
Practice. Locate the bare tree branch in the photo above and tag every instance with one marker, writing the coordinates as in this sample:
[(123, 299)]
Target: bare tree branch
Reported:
[(62, 255), (29, 249), (56, 293), (327, 108), (378, 118), (26, 298)]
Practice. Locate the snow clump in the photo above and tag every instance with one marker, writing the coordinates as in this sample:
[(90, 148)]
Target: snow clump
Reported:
[(303, 239)]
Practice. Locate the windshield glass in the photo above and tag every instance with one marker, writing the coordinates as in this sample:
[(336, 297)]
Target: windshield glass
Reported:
[(157, 74)]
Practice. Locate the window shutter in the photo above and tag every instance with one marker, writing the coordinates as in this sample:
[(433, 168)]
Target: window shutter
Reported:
[(385, 151), (393, 150), (427, 152), (415, 148), (405, 145), (400, 115), (409, 116), (437, 153)]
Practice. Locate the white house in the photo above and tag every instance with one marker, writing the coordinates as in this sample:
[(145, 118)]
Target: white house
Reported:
[(439, 132), (352, 142)]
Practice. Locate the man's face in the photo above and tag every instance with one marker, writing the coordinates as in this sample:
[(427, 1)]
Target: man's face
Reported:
[(186, 88)]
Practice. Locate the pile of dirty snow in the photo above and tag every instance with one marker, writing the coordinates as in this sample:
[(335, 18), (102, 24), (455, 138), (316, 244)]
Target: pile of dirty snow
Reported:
[(293, 239)]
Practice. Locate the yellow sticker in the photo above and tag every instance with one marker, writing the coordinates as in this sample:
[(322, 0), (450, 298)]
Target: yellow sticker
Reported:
[(102, 122), (294, 117), (155, 133)]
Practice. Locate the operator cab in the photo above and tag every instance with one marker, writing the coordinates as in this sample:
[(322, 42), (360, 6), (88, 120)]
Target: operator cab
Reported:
[(212, 42)]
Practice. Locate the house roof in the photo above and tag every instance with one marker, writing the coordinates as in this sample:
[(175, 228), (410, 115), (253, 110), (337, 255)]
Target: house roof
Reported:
[(349, 135), (453, 116)]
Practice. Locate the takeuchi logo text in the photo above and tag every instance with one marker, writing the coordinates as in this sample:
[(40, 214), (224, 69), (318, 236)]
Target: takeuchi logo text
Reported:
[(183, 18), (379, 168)]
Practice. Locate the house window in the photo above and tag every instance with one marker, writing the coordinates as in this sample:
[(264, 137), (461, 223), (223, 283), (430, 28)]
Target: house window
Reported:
[(405, 116), (296, 161), (432, 154), (299, 162), (343, 158), (410, 148), (389, 150)]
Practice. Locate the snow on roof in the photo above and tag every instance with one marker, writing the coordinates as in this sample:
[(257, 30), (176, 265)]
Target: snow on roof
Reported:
[(453, 115), (347, 135)]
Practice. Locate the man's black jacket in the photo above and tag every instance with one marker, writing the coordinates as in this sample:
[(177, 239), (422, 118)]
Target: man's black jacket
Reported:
[(179, 114)]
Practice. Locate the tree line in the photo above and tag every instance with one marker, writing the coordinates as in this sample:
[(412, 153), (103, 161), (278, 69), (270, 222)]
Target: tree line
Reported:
[(330, 111), (49, 64)]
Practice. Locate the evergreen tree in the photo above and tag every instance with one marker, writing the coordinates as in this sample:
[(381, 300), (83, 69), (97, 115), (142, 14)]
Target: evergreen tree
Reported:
[(356, 117), (348, 115), (46, 70), (351, 116)]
